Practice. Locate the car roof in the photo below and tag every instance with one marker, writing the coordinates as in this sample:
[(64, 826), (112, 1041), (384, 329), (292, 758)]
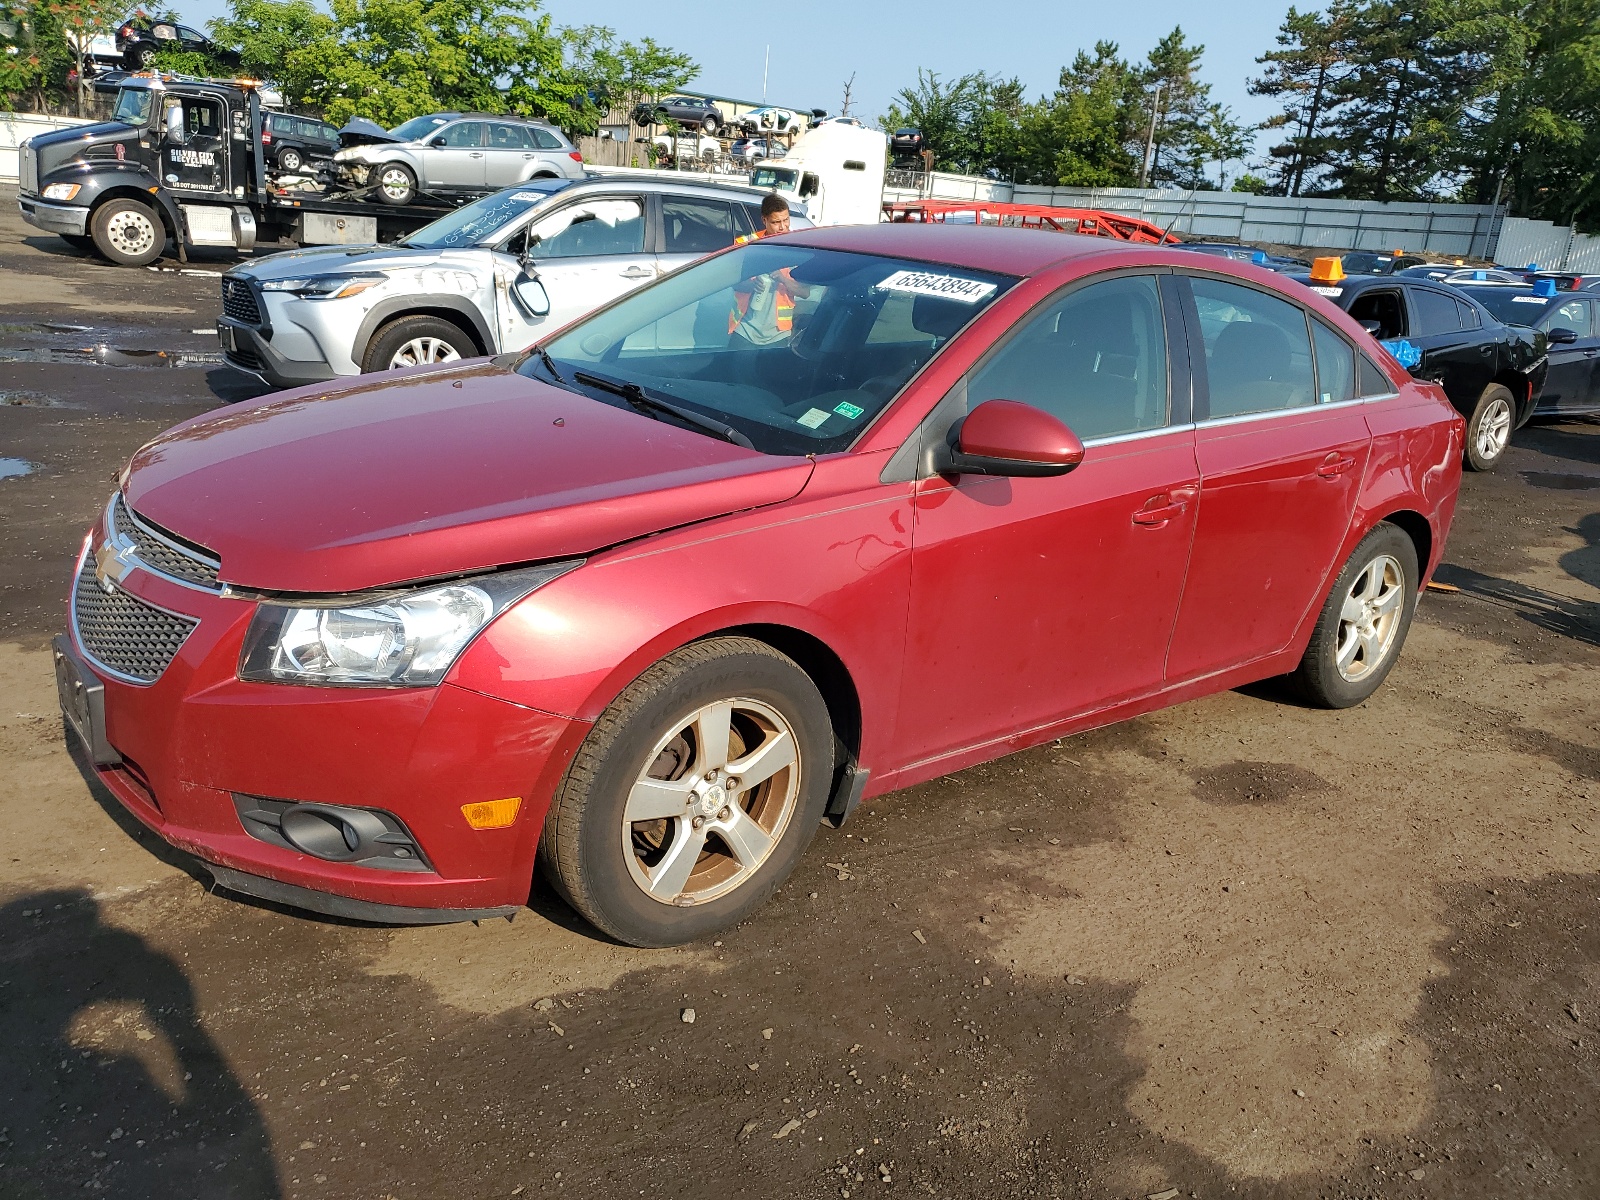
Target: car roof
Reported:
[(686, 186), (978, 247)]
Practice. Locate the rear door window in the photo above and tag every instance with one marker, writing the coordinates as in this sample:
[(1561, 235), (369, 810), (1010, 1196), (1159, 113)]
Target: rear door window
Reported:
[(1470, 317), (1336, 365), (1435, 312), (696, 226), (545, 140), (1257, 350), (1373, 380)]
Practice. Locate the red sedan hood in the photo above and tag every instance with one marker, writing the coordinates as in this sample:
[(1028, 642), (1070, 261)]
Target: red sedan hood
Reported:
[(401, 477)]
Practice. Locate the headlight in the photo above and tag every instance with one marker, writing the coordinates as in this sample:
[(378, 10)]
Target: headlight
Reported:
[(325, 287), (62, 191), (392, 639)]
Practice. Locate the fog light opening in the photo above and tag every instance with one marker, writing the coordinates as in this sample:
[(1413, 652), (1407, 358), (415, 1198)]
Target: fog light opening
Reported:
[(320, 833)]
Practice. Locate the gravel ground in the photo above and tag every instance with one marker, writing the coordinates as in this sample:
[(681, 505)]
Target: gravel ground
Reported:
[(1234, 948)]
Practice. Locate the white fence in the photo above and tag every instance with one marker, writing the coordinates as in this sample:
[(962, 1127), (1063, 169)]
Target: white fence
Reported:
[(15, 128), (1552, 247)]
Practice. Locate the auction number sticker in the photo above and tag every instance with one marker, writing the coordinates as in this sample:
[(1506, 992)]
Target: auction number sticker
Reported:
[(1529, 299), (931, 283), (813, 417), (1328, 291)]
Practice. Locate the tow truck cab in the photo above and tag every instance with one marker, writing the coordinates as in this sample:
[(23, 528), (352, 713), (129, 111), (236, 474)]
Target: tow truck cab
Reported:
[(181, 160)]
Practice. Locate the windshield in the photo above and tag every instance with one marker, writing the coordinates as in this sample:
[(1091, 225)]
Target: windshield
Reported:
[(133, 106), (1367, 264), (417, 127), (796, 348), (774, 177), (1511, 306), (483, 221)]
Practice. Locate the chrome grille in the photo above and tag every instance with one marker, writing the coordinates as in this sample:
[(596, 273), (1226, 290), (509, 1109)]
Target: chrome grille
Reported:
[(122, 634), (162, 554), (239, 302), (29, 173)]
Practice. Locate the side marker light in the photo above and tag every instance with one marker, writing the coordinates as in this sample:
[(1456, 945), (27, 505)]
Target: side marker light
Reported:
[(492, 814)]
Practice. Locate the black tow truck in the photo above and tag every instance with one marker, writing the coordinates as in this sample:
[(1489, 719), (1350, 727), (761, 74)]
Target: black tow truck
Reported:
[(181, 160)]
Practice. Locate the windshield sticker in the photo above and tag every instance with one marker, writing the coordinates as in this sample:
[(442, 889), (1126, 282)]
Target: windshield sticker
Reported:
[(1529, 299), (527, 197), (1328, 291), (845, 409), (813, 418), (930, 283)]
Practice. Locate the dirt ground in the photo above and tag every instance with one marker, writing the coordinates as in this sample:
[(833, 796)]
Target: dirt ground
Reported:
[(1237, 948)]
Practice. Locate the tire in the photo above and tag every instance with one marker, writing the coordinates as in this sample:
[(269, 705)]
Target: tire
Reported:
[(1363, 625), (128, 232), (397, 184), (709, 126), (289, 159), (618, 838), (141, 57), (79, 241), (416, 341), (1489, 428)]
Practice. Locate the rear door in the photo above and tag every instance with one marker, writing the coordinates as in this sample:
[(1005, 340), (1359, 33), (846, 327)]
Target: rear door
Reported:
[(1570, 382), (1280, 469), (1462, 361), (508, 156)]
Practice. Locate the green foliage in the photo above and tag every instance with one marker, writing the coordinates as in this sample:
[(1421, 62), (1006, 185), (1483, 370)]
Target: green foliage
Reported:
[(1255, 185)]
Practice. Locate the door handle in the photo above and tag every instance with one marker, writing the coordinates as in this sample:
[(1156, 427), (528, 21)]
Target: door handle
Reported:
[(637, 272), (1335, 465), (527, 156), (1158, 510), (475, 154), (1487, 348)]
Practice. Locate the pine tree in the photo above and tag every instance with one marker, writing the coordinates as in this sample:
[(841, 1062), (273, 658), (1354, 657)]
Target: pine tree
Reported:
[(1305, 73)]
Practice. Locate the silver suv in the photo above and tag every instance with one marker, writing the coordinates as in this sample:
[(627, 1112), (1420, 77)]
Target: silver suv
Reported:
[(459, 153), (492, 276)]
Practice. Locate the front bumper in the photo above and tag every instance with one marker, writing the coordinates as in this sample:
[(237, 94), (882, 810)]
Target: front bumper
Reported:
[(246, 348), (54, 218), (187, 746)]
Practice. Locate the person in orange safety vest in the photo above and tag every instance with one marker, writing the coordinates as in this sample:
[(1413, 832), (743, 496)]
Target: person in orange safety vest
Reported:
[(763, 305)]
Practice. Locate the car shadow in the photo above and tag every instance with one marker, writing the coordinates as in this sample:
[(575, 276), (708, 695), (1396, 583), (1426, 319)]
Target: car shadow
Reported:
[(1564, 615), (49, 243), (1568, 440), (231, 386), (112, 1085)]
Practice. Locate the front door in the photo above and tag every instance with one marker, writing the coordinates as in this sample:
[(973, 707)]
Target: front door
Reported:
[(1280, 469), (586, 254), (200, 162), (1568, 384), (1039, 599), (458, 164)]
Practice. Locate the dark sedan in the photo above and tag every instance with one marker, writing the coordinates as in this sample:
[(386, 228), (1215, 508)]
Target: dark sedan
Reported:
[(141, 39), (1572, 326), (1493, 372), (691, 112)]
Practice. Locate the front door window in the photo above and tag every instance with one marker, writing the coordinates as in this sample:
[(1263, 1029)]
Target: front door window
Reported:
[(200, 163)]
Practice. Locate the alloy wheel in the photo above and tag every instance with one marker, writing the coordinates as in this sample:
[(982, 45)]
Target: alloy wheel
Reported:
[(395, 183), (712, 802), (422, 350), (1369, 618), (1494, 429)]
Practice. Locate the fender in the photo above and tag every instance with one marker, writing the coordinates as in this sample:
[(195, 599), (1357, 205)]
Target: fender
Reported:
[(108, 180), (397, 306)]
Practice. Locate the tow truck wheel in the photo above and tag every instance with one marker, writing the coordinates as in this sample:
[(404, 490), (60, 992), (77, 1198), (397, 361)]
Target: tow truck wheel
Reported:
[(128, 233), (1489, 428), (396, 184)]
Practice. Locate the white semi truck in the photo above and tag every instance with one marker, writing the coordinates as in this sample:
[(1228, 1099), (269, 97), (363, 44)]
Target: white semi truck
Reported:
[(834, 173)]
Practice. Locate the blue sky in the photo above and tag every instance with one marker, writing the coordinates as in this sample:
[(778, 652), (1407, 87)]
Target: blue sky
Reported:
[(816, 44)]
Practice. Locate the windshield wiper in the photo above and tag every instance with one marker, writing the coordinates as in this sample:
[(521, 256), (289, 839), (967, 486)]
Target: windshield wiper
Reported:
[(643, 400), (549, 363)]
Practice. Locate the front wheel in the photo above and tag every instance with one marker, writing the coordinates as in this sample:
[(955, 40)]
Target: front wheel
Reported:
[(1489, 428), (709, 126), (289, 159), (1364, 622), (396, 184), (128, 232), (694, 795), (416, 342)]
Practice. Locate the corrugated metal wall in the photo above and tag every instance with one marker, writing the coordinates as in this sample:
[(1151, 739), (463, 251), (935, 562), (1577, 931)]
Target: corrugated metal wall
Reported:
[(1553, 247)]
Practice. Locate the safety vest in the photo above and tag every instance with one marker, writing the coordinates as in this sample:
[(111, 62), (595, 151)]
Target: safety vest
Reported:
[(783, 308)]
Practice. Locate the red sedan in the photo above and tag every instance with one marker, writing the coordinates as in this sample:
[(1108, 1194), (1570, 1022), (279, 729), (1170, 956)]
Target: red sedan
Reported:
[(820, 517)]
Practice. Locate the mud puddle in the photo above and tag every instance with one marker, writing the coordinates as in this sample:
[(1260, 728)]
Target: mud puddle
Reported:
[(10, 468), (109, 356)]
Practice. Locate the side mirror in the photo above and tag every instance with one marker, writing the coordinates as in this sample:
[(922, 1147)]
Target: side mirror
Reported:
[(177, 133), (1003, 437), (437, 143), (1562, 337), (531, 296)]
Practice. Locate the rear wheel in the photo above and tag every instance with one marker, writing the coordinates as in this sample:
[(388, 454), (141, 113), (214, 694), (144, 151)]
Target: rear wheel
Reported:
[(1364, 622), (143, 56), (709, 126), (128, 233), (694, 795), (397, 184), (1489, 428), (289, 159), (415, 342)]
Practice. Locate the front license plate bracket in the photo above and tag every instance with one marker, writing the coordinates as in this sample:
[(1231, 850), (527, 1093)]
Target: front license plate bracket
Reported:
[(83, 703)]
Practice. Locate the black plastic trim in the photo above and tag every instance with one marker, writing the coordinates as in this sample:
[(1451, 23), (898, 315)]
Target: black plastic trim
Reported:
[(847, 794), (330, 905)]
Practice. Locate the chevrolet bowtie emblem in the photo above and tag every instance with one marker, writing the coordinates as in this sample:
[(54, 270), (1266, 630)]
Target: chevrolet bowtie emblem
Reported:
[(111, 565)]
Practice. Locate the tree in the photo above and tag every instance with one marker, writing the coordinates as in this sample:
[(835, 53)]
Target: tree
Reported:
[(943, 112), (1223, 140), (78, 22), (1084, 135), (1304, 74), (1253, 184), (32, 54), (1180, 114), (620, 75)]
